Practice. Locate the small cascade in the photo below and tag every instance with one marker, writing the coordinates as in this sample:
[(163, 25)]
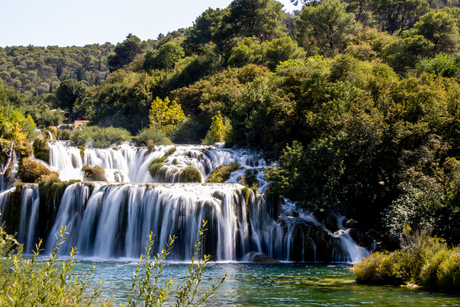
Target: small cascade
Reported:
[(7, 180), (50, 135), (28, 227), (4, 201), (126, 163)]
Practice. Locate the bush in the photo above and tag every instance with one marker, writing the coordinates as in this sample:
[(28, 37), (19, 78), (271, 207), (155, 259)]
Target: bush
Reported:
[(54, 282), (94, 173), (151, 134), (423, 260), (190, 174), (222, 173), (64, 134), (157, 164), (101, 137), (41, 150), (31, 171)]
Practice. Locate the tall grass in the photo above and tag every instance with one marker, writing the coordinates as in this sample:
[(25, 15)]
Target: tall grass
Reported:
[(154, 135)]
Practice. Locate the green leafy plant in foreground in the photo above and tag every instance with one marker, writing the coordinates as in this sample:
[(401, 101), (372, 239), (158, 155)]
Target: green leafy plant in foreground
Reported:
[(28, 282), (147, 289)]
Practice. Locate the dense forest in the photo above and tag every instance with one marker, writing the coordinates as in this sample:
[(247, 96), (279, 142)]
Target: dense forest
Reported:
[(357, 102)]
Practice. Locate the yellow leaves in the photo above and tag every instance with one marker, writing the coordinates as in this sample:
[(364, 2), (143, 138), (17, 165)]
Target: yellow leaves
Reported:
[(165, 115)]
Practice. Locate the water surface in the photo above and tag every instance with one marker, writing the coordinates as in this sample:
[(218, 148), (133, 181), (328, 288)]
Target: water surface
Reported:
[(284, 284)]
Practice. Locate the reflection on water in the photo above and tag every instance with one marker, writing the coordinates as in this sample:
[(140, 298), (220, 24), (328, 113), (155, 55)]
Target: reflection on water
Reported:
[(277, 285)]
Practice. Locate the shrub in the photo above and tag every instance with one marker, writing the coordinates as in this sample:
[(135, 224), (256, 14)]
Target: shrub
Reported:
[(246, 193), (41, 150), (423, 260), (64, 134), (190, 174), (155, 135), (52, 284), (94, 173), (222, 173), (157, 164), (31, 171), (101, 137)]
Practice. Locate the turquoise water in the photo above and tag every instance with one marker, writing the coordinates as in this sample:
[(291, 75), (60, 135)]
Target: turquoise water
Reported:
[(277, 285)]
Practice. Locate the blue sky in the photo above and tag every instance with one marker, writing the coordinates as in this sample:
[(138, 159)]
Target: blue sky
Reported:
[(67, 23)]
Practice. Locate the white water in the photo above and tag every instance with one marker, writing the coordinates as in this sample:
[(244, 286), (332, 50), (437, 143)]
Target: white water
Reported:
[(28, 227)]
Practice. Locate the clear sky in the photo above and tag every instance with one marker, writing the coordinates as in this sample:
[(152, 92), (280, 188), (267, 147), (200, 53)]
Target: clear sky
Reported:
[(72, 22)]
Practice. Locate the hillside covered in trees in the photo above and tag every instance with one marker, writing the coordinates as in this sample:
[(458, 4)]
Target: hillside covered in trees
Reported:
[(358, 101)]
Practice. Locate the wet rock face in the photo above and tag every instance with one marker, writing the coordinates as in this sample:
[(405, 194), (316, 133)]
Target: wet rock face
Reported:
[(259, 258), (362, 239)]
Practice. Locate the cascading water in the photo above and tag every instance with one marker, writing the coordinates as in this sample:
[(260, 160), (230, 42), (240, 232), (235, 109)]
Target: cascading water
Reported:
[(112, 219), (28, 227)]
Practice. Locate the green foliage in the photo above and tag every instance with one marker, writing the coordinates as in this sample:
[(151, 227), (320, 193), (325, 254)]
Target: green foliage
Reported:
[(54, 282), (441, 29), (156, 165), (155, 135), (41, 150), (324, 28), (28, 282), (165, 115), (190, 174), (93, 173), (165, 58), (246, 192), (146, 289), (125, 52), (423, 260), (311, 175), (36, 71), (399, 15), (441, 64), (101, 137), (254, 18), (222, 173), (269, 53), (220, 130), (68, 93)]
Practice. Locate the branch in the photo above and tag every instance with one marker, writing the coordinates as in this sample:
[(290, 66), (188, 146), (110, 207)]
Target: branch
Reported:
[(10, 157)]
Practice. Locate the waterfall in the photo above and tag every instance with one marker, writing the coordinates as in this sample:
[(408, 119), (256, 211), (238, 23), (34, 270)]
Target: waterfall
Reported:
[(6, 182), (112, 219), (28, 226), (50, 135)]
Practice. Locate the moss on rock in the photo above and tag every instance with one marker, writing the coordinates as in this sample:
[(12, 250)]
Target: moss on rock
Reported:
[(93, 173), (31, 171), (222, 173), (190, 174)]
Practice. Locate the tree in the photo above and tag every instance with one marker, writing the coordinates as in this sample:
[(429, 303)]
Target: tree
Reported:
[(399, 15), (254, 18), (68, 93), (205, 29), (219, 131), (125, 52), (402, 54), (441, 29), (268, 53), (326, 26), (165, 115)]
